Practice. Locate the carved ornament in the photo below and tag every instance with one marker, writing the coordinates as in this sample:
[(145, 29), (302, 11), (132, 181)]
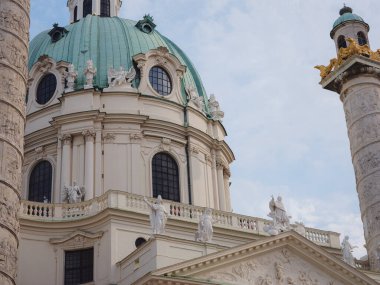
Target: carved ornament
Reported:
[(165, 144), (136, 137), (89, 134), (345, 53), (66, 139), (109, 137), (78, 239)]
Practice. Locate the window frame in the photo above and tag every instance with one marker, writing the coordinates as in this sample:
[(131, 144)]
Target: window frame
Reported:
[(362, 39), (342, 39), (82, 265), (45, 98), (161, 74), (47, 194), (169, 180)]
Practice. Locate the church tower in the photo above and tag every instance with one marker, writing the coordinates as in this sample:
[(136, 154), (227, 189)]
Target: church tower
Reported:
[(355, 76)]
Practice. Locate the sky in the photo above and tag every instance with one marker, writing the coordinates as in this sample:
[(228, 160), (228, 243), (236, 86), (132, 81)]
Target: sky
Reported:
[(257, 56)]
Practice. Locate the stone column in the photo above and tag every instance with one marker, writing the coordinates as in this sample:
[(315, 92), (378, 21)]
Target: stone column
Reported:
[(221, 190), (66, 161), (89, 164), (358, 83), (14, 41), (98, 164), (361, 100), (226, 176)]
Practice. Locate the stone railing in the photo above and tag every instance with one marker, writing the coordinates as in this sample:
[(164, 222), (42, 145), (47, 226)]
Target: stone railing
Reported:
[(177, 211), (362, 264)]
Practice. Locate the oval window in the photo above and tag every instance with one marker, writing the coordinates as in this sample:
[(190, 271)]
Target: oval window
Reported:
[(46, 89), (160, 80)]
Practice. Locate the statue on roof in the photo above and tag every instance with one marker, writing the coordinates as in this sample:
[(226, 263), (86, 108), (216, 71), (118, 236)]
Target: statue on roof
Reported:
[(205, 229), (70, 77), (121, 77), (158, 215), (73, 194), (194, 98), (280, 217), (347, 249), (216, 113), (89, 72)]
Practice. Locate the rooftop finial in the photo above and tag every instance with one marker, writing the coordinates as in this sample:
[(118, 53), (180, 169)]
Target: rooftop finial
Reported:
[(345, 10)]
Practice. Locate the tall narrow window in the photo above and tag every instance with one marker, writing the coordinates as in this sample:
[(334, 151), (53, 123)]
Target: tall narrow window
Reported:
[(87, 7), (362, 40), (40, 182), (79, 266), (165, 177), (76, 13), (342, 42), (105, 10)]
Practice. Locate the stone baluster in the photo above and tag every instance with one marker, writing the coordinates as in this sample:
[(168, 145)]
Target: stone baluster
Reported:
[(14, 42)]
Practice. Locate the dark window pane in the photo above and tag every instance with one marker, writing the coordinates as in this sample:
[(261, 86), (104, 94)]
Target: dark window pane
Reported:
[(46, 89), (160, 80), (342, 42), (105, 8), (40, 182), (165, 177), (79, 266), (87, 7), (362, 39)]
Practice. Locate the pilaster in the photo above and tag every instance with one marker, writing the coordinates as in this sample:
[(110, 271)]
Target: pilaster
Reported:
[(89, 163)]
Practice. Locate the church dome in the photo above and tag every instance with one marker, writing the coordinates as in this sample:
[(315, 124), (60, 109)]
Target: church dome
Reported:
[(346, 15), (111, 42)]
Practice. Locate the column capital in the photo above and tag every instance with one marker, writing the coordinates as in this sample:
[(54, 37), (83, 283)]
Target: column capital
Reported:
[(89, 134), (66, 139)]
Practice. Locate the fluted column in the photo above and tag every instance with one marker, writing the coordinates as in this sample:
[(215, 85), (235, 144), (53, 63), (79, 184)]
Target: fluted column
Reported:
[(66, 140), (89, 164), (14, 38)]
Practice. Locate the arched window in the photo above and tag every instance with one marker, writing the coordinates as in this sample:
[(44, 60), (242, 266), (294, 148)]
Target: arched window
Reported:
[(105, 10), (165, 177), (76, 13), (342, 42), (87, 7), (362, 40), (40, 182)]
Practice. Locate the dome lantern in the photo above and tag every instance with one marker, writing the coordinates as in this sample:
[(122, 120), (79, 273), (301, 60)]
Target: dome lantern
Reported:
[(349, 25), (104, 8)]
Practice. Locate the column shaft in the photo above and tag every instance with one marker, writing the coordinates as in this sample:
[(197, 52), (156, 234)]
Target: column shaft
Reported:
[(89, 165)]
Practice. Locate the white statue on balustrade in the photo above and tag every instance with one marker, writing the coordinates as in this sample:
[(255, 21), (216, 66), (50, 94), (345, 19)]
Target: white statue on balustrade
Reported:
[(158, 215), (70, 77), (347, 249), (73, 194), (89, 72), (195, 98), (216, 113), (280, 217), (205, 227)]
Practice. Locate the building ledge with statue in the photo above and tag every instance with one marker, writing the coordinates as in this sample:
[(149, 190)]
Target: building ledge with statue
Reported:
[(117, 117)]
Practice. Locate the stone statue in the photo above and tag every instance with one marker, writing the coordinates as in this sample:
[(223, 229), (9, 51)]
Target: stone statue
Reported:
[(70, 77), (205, 230), (194, 98), (347, 249), (89, 72), (121, 77), (73, 194), (216, 113), (158, 215), (279, 216)]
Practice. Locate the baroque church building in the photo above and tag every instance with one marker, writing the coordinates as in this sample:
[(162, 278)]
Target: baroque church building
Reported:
[(118, 118)]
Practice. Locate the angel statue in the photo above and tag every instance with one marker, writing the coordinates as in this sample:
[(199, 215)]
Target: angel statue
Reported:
[(73, 194), (280, 218), (158, 215), (347, 252), (205, 230), (89, 72)]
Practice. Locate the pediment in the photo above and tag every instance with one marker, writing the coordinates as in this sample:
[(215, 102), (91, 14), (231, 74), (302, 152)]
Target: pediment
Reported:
[(284, 259)]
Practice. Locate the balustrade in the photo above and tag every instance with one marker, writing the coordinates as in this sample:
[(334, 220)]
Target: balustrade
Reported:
[(177, 211)]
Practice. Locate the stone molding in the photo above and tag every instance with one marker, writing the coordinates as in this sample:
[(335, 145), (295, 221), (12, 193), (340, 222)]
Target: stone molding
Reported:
[(78, 239), (66, 139)]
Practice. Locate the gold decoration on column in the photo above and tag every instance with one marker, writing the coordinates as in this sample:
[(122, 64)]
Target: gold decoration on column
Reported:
[(14, 43), (345, 53)]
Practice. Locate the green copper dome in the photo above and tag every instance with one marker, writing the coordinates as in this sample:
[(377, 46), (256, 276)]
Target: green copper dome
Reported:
[(347, 15), (109, 42)]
